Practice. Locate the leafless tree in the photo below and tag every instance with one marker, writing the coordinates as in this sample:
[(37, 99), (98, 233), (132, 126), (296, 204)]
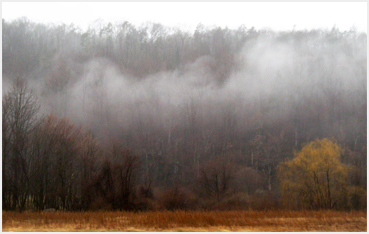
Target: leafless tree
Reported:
[(20, 118), (216, 178)]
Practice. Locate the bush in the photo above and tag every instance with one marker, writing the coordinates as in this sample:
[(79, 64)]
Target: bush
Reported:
[(178, 199), (238, 201), (265, 200), (100, 204), (145, 191), (146, 204), (357, 198)]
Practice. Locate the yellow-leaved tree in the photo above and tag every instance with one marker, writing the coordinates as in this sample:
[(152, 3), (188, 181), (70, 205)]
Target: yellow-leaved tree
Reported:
[(315, 178)]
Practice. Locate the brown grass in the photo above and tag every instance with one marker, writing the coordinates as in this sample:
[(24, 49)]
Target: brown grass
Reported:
[(186, 221)]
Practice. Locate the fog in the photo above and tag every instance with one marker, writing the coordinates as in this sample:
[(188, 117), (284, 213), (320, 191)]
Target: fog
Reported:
[(113, 85), (274, 71), (273, 77)]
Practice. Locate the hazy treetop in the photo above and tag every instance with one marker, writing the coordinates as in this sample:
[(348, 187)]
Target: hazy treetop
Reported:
[(187, 15)]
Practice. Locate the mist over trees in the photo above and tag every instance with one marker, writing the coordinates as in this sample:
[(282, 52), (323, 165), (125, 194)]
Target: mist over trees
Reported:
[(149, 117)]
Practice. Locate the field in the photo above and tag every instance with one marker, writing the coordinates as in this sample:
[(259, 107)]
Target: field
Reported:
[(186, 221)]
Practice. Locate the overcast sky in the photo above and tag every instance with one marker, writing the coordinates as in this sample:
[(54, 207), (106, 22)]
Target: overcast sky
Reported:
[(275, 15)]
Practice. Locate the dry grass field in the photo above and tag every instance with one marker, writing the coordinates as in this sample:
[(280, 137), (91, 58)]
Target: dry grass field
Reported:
[(186, 221)]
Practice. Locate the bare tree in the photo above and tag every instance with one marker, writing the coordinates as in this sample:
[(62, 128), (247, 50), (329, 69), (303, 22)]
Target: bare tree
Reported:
[(116, 180), (20, 117), (216, 178)]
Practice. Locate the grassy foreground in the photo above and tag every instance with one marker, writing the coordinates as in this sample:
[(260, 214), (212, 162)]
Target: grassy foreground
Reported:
[(186, 221)]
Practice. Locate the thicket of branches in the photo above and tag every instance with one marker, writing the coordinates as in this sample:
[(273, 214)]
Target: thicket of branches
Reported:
[(150, 117)]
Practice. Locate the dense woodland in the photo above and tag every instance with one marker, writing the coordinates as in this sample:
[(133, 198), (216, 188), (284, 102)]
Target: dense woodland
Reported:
[(128, 117)]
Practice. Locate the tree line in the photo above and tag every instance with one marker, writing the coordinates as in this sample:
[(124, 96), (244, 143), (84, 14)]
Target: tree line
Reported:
[(126, 117)]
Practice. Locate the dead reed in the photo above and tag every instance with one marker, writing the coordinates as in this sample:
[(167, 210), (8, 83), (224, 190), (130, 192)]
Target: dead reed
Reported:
[(186, 221)]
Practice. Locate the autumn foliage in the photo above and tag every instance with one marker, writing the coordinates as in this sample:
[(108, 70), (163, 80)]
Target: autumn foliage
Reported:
[(315, 178)]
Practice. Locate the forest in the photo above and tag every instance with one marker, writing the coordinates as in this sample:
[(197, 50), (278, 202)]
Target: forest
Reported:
[(125, 117)]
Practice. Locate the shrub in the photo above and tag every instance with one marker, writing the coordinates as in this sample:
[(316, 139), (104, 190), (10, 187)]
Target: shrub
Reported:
[(357, 198), (238, 201), (178, 199)]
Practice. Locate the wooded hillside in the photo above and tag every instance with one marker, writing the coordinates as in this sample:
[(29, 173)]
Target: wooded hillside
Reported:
[(149, 117)]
